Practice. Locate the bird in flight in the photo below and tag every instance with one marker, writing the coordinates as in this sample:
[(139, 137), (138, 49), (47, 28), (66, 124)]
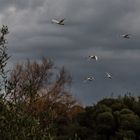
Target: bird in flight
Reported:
[(126, 36), (93, 57), (108, 75), (89, 78), (60, 22)]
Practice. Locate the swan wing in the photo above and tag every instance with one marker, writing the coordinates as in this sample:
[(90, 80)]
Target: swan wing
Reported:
[(55, 21)]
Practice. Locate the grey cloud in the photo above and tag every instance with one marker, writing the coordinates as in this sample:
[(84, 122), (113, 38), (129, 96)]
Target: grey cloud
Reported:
[(91, 26)]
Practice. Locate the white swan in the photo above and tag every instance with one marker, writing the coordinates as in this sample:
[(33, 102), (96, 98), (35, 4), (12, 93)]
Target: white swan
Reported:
[(94, 57), (89, 78), (126, 36), (60, 22), (108, 75)]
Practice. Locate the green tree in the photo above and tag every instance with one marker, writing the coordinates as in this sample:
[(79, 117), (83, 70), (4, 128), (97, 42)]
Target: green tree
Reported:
[(105, 124)]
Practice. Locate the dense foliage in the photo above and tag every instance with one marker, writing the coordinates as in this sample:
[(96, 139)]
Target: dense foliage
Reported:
[(111, 119), (35, 104)]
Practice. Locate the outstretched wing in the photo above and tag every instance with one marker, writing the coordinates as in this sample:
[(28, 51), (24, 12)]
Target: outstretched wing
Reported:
[(108, 75), (61, 21), (127, 36), (96, 58), (55, 21)]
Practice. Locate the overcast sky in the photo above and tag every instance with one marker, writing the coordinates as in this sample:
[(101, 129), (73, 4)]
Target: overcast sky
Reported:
[(92, 27)]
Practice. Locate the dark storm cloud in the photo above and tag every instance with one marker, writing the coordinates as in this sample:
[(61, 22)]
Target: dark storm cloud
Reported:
[(91, 27)]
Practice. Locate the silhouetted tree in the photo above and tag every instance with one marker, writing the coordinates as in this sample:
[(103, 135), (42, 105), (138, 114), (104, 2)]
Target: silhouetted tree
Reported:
[(13, 124)]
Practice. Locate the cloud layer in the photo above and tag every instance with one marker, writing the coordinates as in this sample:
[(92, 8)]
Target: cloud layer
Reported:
[(91, 27)]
